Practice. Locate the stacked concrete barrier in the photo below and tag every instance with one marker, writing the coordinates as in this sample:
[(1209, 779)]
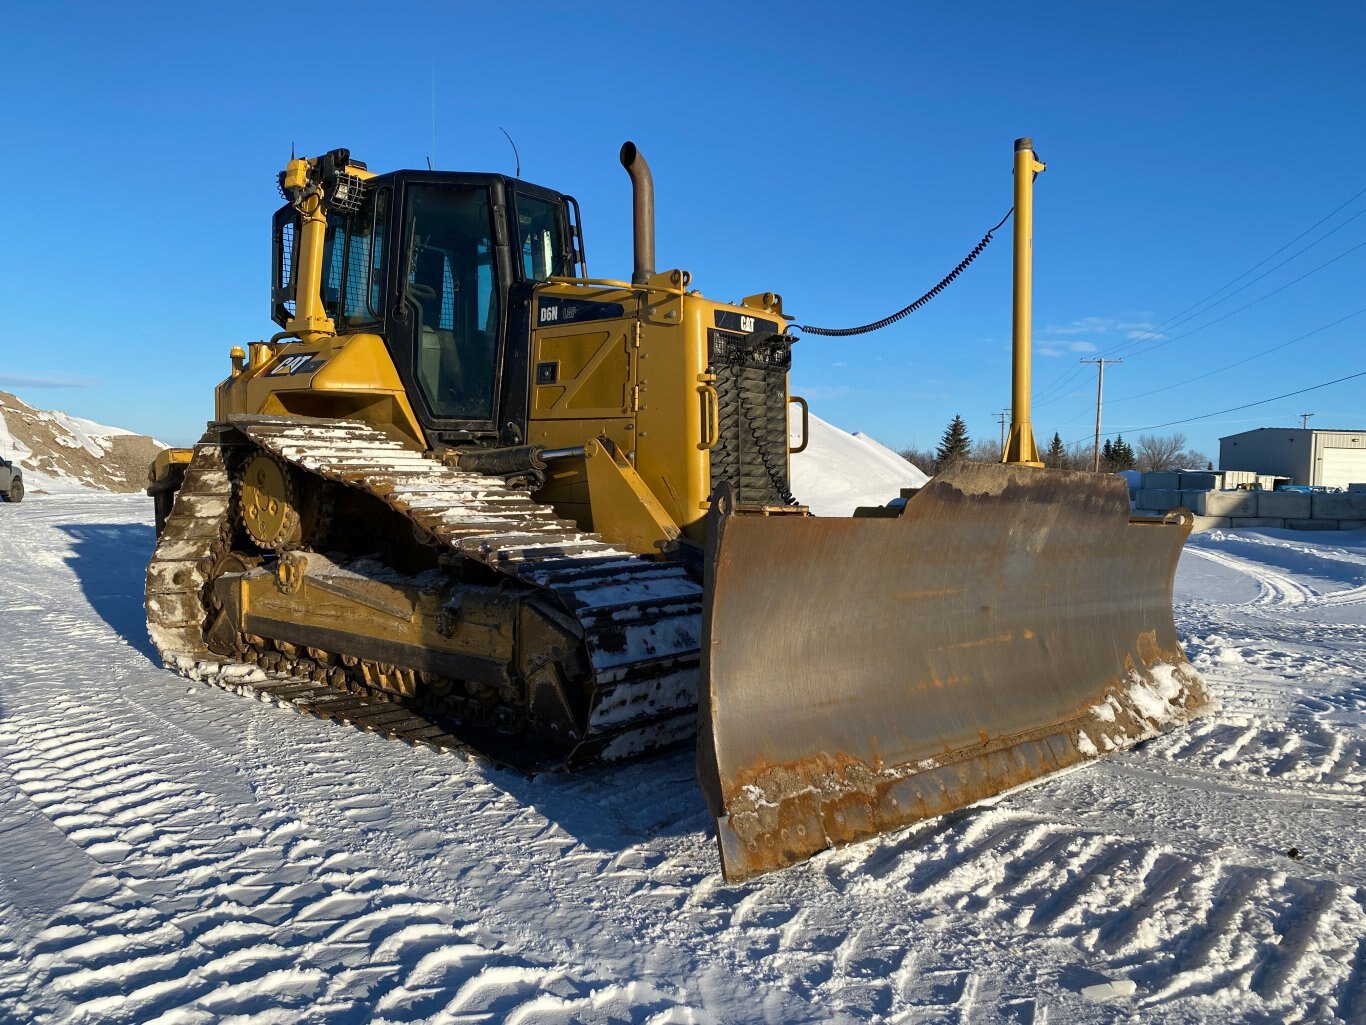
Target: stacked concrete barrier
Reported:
[(1159, 493)]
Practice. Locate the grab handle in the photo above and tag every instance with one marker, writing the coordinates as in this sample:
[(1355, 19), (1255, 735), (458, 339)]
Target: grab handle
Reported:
[(806, 423), (711, 417)]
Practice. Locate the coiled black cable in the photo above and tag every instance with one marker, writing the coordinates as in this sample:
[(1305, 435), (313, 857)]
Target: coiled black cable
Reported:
[(842, 332)]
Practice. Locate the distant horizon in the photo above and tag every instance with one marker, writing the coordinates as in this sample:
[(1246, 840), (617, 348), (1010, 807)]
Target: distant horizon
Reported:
[(1213, 456)]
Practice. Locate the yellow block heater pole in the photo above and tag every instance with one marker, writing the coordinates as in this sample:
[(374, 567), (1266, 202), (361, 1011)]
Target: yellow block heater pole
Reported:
[(1020, 447)]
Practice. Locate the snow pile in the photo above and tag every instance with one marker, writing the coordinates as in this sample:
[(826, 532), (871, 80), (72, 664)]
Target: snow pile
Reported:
[(839, 471), (59, 453)]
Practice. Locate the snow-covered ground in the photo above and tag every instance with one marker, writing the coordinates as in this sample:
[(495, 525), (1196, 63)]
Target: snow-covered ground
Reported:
[(173, 853)]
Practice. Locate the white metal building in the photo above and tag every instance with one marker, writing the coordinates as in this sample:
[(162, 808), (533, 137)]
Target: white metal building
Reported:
[(1329, 458)]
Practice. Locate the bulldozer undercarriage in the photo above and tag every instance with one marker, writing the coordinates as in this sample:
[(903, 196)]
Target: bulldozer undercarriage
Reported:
[(322, 564)]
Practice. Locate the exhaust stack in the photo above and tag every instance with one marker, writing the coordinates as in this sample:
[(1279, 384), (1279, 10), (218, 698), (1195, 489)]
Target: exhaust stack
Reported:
[(642, 210)]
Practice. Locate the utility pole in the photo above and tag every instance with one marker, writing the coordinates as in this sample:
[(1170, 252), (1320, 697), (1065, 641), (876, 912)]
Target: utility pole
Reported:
[(1001, 419), (1304, 421), (1100, 387)]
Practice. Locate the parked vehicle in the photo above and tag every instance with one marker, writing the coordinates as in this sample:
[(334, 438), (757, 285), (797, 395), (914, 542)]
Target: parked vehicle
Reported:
[(11, 481)]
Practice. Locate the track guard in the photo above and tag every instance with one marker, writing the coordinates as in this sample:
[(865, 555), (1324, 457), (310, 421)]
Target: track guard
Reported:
[(862, 674)]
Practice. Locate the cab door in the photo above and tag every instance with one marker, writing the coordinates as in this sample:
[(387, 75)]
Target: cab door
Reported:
[(447, 320)]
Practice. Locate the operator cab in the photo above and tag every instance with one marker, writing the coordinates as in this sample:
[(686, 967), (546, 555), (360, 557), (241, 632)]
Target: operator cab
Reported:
[(442, 265)]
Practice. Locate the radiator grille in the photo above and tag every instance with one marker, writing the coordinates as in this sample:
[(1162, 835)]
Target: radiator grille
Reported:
[(751, 385)]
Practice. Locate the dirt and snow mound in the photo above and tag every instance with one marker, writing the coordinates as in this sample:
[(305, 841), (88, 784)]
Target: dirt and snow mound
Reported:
[(61, 453), (840, 471)]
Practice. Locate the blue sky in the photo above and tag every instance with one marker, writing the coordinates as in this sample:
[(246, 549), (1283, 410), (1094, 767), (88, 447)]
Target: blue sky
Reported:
[(846, 156)]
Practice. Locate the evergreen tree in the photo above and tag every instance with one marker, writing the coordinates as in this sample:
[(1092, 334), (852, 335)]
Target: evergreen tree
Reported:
[(1056, 456), (1107, 457), (1122, 455), (954, 445)]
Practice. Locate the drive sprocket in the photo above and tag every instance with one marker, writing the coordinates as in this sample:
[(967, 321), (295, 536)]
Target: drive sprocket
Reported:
[(267, 503)]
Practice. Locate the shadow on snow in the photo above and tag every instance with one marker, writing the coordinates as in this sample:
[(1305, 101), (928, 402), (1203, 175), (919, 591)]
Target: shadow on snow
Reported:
[(110, 562), (605, 806)]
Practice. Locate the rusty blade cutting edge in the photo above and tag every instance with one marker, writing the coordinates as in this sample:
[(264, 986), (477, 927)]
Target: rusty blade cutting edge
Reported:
[(861, 674)]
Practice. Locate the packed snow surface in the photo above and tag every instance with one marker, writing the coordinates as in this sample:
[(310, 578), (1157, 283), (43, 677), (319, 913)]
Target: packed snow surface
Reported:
[(173, 853), (838, 471)]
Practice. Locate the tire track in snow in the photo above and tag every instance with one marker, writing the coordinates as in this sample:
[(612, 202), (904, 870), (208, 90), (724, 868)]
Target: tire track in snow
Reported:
[(1353, 591), (1180, 924), (193, 913), (888, 944), (1277, 589), (1308, 752)]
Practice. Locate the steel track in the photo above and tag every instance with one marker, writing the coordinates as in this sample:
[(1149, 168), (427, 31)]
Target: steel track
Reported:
[(639, 617)]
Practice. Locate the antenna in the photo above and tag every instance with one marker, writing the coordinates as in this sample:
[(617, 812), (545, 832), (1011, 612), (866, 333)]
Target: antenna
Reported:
[(516, 156)]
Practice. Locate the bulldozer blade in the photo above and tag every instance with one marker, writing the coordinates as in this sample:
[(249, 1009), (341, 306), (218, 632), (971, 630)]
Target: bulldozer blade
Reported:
[(862, 674)]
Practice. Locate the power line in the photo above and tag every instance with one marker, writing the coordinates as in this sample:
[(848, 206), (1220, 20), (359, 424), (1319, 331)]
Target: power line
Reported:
[(1246, 306), (1278, 252), (1248, 405), (1239, 363), (1071, 371), (1042, 401), (1173, 322)]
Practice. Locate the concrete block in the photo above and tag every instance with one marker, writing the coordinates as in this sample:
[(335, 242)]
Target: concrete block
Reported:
[(1285, 504), (1268, 481), (1210, 523), (1312, 524), (1159, 499), (1189, 498), (1205, 480), (1339, 507), (1256, 521), (1232, 478), (1153, 481), (1351, 524), (1224, 503)]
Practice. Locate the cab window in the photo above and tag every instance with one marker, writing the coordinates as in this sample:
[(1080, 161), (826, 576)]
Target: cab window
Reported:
[(542, 235), (351, 256)]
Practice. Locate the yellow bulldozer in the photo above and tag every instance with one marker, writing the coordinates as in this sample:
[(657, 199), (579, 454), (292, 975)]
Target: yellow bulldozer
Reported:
[(470, 495)]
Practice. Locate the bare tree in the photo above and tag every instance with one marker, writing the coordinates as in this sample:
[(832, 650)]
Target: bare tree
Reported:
[(985, 450), (1079, 455), (1158, 452), (1193, 460), (921, 459)]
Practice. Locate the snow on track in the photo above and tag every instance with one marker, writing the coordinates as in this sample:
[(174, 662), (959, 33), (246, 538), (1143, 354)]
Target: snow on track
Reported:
[(172, 853)]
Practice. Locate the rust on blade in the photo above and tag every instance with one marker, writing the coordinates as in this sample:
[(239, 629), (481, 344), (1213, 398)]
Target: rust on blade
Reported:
[(862, 674)]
